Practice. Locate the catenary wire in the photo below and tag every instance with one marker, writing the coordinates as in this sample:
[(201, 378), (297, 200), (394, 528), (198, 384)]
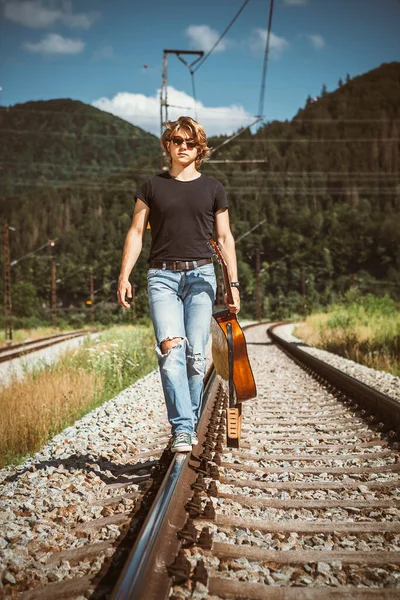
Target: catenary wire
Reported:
[(221, 36), (283, 189), (95, 169), (257, 139), (264, 69), (295, 119)]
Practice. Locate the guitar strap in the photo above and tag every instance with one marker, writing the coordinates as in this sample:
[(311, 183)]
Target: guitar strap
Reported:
[(230, 365)]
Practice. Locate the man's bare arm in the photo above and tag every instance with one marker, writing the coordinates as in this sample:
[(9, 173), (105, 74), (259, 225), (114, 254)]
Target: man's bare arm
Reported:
[(132, 249), (227, 245)]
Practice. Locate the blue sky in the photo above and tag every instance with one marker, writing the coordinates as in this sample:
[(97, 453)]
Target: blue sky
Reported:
[(95, 51)]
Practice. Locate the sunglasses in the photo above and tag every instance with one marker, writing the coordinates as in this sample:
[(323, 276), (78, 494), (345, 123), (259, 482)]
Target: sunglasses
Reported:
[(178, 141)]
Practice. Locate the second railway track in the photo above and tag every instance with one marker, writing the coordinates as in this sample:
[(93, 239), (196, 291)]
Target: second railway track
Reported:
[(307, 508), (8, 353)]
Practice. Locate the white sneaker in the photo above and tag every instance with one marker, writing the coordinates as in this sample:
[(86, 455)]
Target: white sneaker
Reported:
[(182, 442), (195, 439)]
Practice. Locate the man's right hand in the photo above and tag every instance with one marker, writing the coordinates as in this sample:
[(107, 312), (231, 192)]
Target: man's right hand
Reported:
[(124, 291)]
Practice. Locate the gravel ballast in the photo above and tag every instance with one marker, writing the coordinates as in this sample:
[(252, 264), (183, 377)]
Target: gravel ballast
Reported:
[(52, 494), (45, 499), (384, 382)]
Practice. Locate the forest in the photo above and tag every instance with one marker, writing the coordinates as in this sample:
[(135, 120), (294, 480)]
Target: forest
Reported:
[(318, 216)]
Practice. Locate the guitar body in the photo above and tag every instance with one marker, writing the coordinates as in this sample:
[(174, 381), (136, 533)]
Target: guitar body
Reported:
[(243, 378)]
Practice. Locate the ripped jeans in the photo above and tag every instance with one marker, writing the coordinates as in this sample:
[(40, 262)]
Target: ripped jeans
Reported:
[(181, 305)]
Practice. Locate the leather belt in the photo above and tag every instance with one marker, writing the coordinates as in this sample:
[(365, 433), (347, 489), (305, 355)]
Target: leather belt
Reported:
[(179, 265)]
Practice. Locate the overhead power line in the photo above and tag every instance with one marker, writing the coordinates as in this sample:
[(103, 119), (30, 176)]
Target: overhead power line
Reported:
[(77, 135), (221, 36), (295, 120), (255, 139), (283, 189), (241, 237), (264, 69), (234, 136)]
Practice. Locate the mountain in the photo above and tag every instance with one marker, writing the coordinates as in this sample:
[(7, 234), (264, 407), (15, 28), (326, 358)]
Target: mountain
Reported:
[(69, 171), (66, 140), (321, 213), (330, 193)]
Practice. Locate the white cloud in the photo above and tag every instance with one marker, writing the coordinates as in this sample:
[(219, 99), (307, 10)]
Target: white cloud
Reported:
[(202, 37), (144, 111), (317, 41), (295, 2), (41, 13), (276, 44), (53, 43)]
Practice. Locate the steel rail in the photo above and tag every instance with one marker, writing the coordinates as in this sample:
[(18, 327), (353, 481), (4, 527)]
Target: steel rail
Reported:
[(37, 340), (141, 566), (24, 348), (144, 567), (140, 562), (384, 408)]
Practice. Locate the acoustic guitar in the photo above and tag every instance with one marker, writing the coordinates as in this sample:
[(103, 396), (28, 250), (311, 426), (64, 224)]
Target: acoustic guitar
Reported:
[(229, 348)]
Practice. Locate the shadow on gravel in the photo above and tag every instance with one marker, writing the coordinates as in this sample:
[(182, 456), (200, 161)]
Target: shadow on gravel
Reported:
[(106, 579), (103, 582), (106, 470)]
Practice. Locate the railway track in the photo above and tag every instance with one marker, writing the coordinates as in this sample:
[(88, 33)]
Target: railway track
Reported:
[(17, 350), (306, 508)]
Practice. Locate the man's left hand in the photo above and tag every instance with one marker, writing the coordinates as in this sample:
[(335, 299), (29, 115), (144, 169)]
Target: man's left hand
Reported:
[(235, 307)]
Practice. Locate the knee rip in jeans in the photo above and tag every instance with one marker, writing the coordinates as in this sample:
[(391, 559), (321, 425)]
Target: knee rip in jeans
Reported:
[(169, 344)]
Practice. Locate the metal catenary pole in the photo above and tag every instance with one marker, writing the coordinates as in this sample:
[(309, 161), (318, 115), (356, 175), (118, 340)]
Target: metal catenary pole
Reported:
[(53, 292), (164, 85), (7, 288), (258, 286), (92, 299)]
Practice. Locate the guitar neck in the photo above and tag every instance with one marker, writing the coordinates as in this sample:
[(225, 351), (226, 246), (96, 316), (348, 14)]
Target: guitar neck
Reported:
[(228, 288), (217, 251)]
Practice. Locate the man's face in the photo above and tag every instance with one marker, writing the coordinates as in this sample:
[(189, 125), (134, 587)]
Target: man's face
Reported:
[(182, 147)]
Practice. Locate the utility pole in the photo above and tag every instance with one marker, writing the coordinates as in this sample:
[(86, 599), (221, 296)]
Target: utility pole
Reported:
[(164, 78), (53, 292), (258, 286), (164, 85), (303, 287), (92, 299), (7, 288)]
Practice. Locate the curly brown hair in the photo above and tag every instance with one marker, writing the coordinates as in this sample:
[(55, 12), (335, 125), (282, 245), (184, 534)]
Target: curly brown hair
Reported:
[(196, 131)]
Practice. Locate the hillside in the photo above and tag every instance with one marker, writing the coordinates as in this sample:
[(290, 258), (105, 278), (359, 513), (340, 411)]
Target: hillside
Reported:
[(68, 171), (66, 140), (329, 192)]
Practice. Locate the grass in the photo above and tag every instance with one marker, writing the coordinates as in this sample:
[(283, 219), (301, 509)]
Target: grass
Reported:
[(364, 329), (51, 398)]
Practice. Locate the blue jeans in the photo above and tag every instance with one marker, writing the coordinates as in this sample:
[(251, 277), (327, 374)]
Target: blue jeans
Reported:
[(181, 305)]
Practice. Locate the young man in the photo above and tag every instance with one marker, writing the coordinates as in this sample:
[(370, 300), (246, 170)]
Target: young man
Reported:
[(183, 207)]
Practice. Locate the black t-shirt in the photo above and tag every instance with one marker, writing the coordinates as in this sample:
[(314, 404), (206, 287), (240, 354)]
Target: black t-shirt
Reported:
[(182, 215)]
